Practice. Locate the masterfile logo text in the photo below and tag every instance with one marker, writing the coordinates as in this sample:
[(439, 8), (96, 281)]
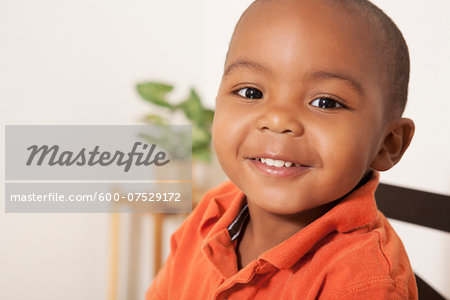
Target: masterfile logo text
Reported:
[(72, 168)]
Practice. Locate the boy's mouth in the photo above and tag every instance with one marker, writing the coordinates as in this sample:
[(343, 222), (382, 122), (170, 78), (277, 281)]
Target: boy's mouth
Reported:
[(278, 166), (277, 162)]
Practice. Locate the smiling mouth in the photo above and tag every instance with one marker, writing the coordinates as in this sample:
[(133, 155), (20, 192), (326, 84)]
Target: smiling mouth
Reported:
[(277, 163), (276, 167)]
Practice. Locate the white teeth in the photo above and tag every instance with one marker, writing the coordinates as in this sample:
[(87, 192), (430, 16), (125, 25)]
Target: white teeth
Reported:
[(269, 162), (277, 163)]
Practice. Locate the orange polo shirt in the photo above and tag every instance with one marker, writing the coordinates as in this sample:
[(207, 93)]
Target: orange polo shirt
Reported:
[(351, 252)]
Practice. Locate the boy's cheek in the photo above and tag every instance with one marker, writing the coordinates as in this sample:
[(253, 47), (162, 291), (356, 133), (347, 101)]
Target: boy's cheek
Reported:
[(230, 119)]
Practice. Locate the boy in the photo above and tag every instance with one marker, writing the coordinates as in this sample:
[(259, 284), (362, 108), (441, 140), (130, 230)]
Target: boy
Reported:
[(308, 111)]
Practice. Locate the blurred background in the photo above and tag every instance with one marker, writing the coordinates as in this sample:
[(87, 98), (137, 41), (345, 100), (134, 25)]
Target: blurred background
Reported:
[(78, 62)]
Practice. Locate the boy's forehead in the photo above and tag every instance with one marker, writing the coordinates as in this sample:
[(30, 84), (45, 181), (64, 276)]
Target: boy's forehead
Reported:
[(329, 15), (298, 25)]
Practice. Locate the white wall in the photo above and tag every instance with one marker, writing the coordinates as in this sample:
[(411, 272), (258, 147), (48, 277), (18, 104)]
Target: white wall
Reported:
[(76, 62)]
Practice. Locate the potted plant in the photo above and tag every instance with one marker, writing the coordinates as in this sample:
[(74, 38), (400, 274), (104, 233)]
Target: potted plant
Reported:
[(199, 117)]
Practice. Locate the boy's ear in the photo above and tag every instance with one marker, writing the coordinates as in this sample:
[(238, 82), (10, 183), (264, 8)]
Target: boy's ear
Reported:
[(394, 144)]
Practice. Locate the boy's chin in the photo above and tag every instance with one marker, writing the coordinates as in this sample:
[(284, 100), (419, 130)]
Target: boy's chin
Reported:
[(290, 205)]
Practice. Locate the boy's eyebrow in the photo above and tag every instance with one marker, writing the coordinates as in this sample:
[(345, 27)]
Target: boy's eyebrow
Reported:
[(244, 63), (337, 75)]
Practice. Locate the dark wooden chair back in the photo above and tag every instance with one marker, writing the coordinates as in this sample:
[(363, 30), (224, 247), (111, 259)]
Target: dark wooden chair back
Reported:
[(416, 207)]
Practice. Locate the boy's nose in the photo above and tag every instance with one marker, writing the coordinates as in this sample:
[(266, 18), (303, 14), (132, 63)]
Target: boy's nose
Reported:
[(280, 119)]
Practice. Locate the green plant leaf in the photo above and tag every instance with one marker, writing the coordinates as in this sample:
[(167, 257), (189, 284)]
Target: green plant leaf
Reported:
[(193, 108), (155, 92), (179, 146), (209, 116), (200, 136)]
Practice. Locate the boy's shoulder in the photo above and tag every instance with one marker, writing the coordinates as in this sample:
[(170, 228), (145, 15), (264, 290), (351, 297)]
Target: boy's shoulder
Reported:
[(217, 200), (222, 192), (367, 261)]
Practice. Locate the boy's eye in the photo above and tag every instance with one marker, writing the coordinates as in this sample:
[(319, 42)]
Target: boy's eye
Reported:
[(324, 102), (250, 93)]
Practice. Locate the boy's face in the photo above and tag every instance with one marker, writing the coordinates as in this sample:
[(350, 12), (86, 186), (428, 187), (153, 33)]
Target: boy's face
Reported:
[(302, 86)]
